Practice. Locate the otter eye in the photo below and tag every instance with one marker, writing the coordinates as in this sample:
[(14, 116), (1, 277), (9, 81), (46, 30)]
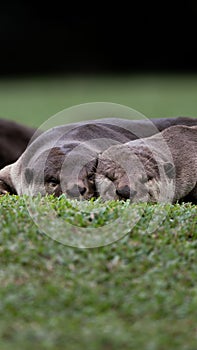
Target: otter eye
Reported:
[(53, 182), (111, 177), (91, 177), (149, 177), (146, 178)]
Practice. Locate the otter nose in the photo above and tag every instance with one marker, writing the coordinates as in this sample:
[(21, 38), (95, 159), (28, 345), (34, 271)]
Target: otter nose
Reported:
[(125, 192), (76, 191)]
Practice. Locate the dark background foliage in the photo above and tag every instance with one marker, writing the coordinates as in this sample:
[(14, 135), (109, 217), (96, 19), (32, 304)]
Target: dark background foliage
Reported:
[(56, 37)]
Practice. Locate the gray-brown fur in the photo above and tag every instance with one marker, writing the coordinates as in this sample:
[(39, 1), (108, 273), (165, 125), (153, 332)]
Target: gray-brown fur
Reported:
[(160, 168), (14, 138), (64, 159)]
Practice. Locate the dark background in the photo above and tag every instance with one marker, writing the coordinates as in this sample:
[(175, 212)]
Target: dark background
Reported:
[(56, 38)]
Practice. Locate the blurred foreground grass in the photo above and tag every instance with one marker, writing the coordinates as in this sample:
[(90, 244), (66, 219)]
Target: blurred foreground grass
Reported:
[(35, 99), (137, 293)]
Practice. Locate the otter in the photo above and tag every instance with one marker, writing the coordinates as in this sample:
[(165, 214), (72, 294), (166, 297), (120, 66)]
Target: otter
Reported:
[(64, 159), (14, 138), (160, 168)]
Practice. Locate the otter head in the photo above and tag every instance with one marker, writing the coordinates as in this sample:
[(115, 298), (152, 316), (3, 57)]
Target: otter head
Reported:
[(133, 173), (59, 170)]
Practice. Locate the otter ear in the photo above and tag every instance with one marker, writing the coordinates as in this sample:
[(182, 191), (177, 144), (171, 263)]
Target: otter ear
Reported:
[(169, 170), (29, 175)]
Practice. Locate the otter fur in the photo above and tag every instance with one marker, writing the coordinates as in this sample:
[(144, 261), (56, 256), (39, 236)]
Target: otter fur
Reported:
[(14, 138), (64, 159), (161, 168)]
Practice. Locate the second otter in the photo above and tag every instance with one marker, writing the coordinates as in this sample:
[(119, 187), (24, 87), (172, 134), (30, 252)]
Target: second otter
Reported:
[(160, 168)]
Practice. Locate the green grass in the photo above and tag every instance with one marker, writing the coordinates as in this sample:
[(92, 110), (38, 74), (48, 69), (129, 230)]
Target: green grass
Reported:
[(139, 292)]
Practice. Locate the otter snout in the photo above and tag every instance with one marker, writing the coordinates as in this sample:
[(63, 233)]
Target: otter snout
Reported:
[(125, 192), (76, 191)]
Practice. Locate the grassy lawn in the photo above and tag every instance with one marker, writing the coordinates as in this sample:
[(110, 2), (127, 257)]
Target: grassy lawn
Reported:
[(139, 292)]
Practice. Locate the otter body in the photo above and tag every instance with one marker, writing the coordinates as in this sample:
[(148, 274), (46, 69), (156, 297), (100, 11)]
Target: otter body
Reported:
[(14, 138), (64, 159)]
